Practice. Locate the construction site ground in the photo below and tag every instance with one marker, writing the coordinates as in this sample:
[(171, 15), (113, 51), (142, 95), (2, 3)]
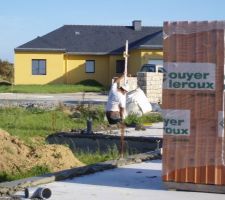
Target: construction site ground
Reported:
[(133, 181), (140, 181)]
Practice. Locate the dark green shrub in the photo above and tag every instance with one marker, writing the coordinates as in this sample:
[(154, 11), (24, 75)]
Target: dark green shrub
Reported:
[(151, 118), (89, 82), (132, 120)]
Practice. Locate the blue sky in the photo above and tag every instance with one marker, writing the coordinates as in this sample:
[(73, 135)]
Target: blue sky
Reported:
[(24, 20)]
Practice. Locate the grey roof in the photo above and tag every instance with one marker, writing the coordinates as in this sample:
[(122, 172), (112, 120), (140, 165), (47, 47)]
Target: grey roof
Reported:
[(90, 39)]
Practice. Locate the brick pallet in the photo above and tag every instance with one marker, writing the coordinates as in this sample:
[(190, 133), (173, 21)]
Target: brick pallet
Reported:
[(193, 104)]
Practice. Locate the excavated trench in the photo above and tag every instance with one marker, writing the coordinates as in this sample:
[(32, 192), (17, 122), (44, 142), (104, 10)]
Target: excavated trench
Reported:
[(101, 142)]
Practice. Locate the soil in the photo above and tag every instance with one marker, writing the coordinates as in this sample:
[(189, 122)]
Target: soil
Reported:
[(15, 156)]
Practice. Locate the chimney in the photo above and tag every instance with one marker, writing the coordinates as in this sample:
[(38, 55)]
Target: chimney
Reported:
[(137, 25)]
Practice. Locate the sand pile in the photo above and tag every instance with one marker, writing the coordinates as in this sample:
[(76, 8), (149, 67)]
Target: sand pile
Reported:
[(15, 156)]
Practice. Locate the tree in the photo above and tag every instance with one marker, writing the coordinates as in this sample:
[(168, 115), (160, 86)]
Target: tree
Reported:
[(6, 71)]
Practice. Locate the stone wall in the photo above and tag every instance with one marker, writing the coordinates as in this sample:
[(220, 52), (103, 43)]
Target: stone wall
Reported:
[(151, 84), (131, 81)]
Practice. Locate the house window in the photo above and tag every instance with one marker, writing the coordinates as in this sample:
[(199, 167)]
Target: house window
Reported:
[(120, 66), (38, 67), (90, 66)]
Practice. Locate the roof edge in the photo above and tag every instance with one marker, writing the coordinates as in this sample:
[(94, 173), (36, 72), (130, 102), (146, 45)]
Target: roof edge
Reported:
[(152, 47), (39, 49), (93, 53)]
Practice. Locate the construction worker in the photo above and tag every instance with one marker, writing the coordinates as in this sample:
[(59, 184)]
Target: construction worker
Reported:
[(115, 107)]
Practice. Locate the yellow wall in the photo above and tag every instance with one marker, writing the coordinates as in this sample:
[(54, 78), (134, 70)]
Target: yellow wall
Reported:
[(76, 69), (147, 55), (23, 68), (57, 64), (105, 68), (134, 62)]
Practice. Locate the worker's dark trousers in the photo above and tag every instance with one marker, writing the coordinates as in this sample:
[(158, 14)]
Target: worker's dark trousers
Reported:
[(113, 117)]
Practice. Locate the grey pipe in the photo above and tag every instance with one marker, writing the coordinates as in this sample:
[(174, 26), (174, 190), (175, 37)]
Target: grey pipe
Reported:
[(41, 193), (89, 126)]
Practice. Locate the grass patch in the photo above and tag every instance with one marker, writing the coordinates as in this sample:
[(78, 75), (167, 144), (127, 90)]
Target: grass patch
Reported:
[(53, 88), (35, 171), (35, 122), (151, 118), (133, 119), (91, 158), (27, 123)]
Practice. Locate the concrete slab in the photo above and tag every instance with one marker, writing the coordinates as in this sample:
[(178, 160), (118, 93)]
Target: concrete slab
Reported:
[(140, 181)]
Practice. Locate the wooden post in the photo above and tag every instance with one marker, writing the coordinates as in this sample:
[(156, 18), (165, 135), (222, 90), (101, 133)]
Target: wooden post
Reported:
[(125, 55)]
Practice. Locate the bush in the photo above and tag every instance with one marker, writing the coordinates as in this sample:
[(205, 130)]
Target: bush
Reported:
[(134, 119), (6, 71), (95, 113), (151, 118), (90, 82), (4, 82)]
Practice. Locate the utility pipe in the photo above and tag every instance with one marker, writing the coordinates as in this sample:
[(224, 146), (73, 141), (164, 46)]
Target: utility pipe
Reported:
[(40, 193)]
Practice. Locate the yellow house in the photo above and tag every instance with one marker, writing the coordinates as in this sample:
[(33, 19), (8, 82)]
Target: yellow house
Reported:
[(74, 53)]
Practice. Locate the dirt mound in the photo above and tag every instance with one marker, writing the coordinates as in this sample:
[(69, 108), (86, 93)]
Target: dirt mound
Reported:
[(16, 156), (57, 157)]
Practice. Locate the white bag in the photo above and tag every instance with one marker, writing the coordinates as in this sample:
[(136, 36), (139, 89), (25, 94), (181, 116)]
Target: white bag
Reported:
[(137, 102)]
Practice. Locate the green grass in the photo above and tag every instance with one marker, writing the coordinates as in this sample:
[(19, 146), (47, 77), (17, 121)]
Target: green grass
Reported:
[(91, 158), (133, 119), (27, 123), (35, 171), (53, 88), (33, 122), (151, 118)]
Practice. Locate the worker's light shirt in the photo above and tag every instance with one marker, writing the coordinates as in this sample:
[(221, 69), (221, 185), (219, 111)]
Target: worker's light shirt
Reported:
[(115, 100)]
